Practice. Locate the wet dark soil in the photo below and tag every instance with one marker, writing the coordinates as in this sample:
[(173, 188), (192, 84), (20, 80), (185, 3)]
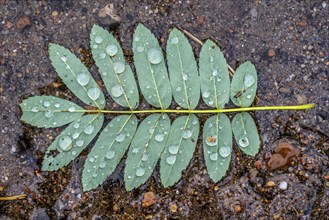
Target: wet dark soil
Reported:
[(287, 42)]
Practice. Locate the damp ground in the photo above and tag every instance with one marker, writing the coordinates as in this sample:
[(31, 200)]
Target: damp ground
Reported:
[(287, 42)]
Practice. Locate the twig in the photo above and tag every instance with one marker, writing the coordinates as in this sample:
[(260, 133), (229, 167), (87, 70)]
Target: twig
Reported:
[(35, 196), (7, 198)]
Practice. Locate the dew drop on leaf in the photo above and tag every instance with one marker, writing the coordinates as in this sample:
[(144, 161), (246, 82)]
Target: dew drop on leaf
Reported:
[(140, 172), (174, 40), (76, 125), (213, 156), (65, 143), (224, 151), (206, 94), (159, 137), (119, 67), (151, 130), (57, 105), (64, 59), (74, 153), (120, 137), (173, 149), (215, 72), (34, 109), (91, 159), (89, 129), (117, 91), (154, 56), (171, 159), (244, 142), (110, 154), (79, 143), (75, 135), (102, 55), (49, 114), (248, 96), (102, 164), (46, 104), (145, 157), (111, 50), (94, 93), (140, 49), (212, 140), (187, 133), (72, 109), (98, 39), (195, 121), (178, 88), (249, 80), (184, 76)]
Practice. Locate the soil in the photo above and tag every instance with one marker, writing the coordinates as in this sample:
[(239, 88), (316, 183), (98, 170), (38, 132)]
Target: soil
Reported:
[(287, 42)]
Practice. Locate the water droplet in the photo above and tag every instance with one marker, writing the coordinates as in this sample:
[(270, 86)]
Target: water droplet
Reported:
[(102, 164), (154, 56), (187, 133), (79, 143), (102, 55), (136, 38), (174, 40), (178, 88), (140, 171), (95, 46), (95, 175), (145, 157), (173, 149), (57, 105), (212, 140), (119, 67), (206, 94), (213, 156), (75, 135), (74, 153), (224, 151), (211, 102), (248, 96), (72, 109), (64, 59), (135, 150), (110, 154), (111, 50), (49, 114), (215, 72), (120, 137), (83, 79), (46, 104), (98, 39), (195, 121), (89, 129), (171, 159), (94, 93), (65, 143), (91, 159), (184, 76), (76, 125), (140, 49), (159, 137), (117, 91), (34, 109), (249, 80), (211, 58), (244, 142), (151, 130)]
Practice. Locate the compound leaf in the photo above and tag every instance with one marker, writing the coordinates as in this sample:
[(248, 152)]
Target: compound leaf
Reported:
[(217, 145), (214, 76), (244, 85), (49, 111), (179, 149), (145, 149), (76, 76), (71, 141), (183, 70), (151, 69), (108, 150), (116, 74), (245, 133)]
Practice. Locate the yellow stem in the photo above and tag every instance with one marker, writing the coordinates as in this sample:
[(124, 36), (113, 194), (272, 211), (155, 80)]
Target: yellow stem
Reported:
[(23, 196)]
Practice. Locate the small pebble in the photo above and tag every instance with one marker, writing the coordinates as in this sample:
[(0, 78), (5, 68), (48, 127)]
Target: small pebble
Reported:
[(285, 90), (237, 208), (270, 183), (54, 13), (271, 53), (303, 23), (283, 185), (149, 199), (301, 99), (174, 208), (23, 23)]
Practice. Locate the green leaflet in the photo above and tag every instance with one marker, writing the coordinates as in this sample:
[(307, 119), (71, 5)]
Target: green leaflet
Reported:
[(214, 76), (245, 133), (179, 149), (183, 70), (151, 69), (244, 85), (217, 145), (49, 111), (107, 152), (71, 141), (116, 75), (76, 76), (145, 149)]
